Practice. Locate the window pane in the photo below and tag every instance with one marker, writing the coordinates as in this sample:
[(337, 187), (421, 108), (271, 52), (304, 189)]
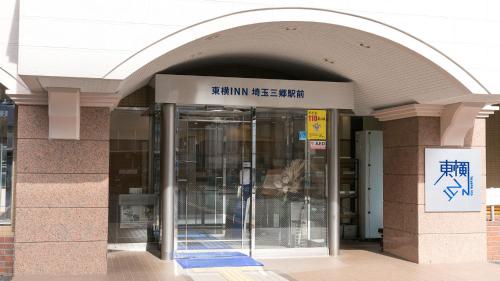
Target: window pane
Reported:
[(133, 194), (291, 183), (7, 123)]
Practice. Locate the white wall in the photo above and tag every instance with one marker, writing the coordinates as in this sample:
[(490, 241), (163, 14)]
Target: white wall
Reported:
[(9, 42), (87, 38)]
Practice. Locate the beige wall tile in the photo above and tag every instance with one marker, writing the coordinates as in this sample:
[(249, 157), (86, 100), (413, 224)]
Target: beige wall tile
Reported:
[(62, 190), (483, 159), (477, 135), (429, 131), (61, 224), (401, 216), (452, 248), (61, 195), (412, 131), (33, 122), (401, 244), (62, 156), (404, 188), (408, 230), (60, 258), (401, 132), (94, 123), (401, 160), (460, 222)]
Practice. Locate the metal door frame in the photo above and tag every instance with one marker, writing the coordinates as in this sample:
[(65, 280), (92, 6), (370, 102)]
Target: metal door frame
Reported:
[(224, 183), (170, 187)]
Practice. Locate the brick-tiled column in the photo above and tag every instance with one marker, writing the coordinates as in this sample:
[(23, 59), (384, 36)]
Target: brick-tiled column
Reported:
[(409, 231), (493, 234), (61, 195), (6, 253)]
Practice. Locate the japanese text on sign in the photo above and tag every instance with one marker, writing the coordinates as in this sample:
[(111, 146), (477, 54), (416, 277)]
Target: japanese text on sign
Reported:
[(452, 180), (258, 92), (461, 181), (316, 124)]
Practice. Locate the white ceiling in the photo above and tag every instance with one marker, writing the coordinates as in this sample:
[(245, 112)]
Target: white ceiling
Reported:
[(385, 73)]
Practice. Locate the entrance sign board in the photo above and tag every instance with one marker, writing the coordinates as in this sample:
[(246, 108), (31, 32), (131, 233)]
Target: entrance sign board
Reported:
[(231, 91), (452, 180), (316, 124)]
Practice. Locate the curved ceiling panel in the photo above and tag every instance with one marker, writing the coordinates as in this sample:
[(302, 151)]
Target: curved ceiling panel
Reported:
[(385, 73)]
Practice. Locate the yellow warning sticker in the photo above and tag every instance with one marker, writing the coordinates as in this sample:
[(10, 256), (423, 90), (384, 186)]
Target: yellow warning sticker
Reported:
[(316, 124)]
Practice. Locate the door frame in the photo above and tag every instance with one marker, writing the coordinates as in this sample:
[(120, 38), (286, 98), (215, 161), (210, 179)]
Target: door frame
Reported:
[(169, 185), (245, 239)]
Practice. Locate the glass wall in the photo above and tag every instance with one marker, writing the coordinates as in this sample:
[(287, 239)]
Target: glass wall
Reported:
[(290, 178), (216, 152), (7, 124), (133, 178)]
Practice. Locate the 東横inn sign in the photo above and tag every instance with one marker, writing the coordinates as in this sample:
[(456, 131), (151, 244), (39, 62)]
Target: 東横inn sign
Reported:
[(453, 180), (231, 91)]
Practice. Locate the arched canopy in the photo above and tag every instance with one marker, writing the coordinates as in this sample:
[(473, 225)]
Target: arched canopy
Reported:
[(388, 66), (10, 82)]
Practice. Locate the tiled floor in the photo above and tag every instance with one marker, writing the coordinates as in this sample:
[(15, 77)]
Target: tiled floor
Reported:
[(351, 265)]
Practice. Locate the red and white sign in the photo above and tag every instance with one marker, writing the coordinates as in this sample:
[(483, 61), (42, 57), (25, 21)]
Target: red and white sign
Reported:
[(317, 145)]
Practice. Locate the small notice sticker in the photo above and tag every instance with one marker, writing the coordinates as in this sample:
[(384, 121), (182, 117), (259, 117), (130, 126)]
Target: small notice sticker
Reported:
[(302, 135), (317, 145)]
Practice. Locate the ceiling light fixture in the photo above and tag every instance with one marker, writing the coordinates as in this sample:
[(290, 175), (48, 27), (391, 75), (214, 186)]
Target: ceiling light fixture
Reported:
[(364, 45), (211, 37), (328, 60)]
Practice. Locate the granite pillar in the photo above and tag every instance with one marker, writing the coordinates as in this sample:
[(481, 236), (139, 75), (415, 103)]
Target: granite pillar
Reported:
[(410, 232), (61, 198)]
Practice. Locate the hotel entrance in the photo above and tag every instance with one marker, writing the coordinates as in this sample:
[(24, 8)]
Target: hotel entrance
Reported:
[(248, 180), (249, 165), (214, 156)]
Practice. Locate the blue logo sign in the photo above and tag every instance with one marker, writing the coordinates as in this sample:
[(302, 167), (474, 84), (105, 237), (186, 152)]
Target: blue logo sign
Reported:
[(452, 180), (258, 92), (302, 135), (455, 179)]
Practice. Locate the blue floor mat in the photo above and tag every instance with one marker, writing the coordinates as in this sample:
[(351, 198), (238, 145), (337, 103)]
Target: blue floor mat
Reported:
[(195, 235), (205, 260), (202, 245), (201, 236), (208, 255)]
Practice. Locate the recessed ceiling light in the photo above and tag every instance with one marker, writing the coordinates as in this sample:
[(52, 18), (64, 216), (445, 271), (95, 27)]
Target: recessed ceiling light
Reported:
[(211, 37), (364, 45), (331, 61)]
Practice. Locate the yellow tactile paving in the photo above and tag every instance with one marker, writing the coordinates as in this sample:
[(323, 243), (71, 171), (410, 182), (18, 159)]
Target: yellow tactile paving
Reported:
[(236, 273), (217, 269), (229, 273)]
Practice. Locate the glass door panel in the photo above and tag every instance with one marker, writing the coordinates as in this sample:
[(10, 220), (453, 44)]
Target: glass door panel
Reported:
[(213, 151), (290, 199), (218, 155)]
